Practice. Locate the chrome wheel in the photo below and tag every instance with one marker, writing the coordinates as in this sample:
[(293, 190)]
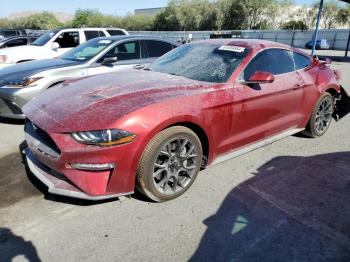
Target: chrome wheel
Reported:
[(175, 165), (323, 115)]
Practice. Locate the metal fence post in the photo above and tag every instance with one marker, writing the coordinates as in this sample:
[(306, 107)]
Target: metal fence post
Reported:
[(334, 39), (347, 45)]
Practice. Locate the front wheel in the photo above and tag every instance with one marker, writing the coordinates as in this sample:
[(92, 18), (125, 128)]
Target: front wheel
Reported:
[(170, 164), (321, 117)]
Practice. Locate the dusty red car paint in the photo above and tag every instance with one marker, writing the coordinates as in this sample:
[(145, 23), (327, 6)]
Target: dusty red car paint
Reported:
[(230, 115)]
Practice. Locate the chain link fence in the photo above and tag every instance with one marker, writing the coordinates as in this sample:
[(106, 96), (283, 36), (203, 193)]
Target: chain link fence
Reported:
[(337, 38)]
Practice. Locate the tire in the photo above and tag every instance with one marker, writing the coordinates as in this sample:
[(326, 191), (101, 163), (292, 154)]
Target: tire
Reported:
[(313, 128), (162, 173)]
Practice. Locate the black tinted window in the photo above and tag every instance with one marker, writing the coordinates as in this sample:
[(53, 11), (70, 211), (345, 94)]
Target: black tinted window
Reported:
[(68, 39), (275, 61), (93, 34), (115, 32), (32, 40), (16, 42), (301, 61), (125, 51), (157, 48), (9, 33)]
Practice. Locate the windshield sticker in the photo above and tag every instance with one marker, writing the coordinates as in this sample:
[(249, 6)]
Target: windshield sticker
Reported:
[(232, 48), (105, 42)]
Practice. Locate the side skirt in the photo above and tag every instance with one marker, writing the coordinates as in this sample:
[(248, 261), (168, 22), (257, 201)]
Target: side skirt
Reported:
[(251, 147)]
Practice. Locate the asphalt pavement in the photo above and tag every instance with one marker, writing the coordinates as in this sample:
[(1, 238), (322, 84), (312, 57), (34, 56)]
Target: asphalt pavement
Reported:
[(288, 201)]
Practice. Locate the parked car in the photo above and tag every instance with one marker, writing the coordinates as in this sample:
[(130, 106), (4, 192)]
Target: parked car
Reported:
[(20, 83), (320, 44), (53, 44), (17, 41), (155, 128), (6, 33)]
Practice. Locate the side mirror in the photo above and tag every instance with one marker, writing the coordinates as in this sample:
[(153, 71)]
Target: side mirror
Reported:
[(55, 46), (260, 77), (109, 60)]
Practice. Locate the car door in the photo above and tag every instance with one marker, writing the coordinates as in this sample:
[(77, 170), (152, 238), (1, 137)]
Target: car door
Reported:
[(66, 40), (128, 55), (270, 108)]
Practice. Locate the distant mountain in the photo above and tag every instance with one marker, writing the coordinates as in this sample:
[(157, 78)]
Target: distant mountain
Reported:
[(61, 16)]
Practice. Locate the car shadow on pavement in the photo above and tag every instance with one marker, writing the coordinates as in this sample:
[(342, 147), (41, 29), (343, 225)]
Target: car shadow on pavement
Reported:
[(294, 209), (13, 246)]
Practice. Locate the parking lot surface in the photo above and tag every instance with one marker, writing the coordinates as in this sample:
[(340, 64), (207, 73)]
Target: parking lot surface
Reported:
[(288, 201)]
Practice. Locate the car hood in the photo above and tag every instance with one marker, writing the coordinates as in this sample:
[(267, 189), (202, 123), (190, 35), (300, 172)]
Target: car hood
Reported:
[(24, 52), (94, 103), (20, 71)]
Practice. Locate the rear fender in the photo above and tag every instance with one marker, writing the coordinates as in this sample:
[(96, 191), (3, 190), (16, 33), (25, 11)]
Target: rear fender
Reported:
[(342, 104)]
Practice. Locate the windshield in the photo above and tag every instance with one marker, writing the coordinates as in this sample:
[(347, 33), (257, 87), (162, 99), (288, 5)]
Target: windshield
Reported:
[(86, 51), (42, 40), (203, 62)]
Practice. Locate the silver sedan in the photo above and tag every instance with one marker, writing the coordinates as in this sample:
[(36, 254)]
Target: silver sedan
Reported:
[(22, 82)]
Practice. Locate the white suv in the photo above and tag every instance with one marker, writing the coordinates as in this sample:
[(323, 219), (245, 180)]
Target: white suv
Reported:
[(54, 43)]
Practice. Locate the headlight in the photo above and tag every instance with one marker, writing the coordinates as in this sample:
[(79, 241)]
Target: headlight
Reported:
[(3, 58), (108, 137), (28, 82)]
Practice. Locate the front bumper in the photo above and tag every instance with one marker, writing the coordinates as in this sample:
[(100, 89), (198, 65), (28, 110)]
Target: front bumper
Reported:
[(57, 184), (13, 99), (54, 159)]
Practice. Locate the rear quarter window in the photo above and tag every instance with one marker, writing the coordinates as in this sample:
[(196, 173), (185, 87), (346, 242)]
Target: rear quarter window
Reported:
[(93, 34), (301, 61), (115, 32)]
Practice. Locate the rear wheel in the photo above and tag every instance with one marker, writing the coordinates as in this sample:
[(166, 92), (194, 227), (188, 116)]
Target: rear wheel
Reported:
[(170, 164), (321, 117)]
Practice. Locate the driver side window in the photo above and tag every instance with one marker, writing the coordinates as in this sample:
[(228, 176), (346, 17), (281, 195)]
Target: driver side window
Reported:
[(68, 39), (275, 61), (125, 51)]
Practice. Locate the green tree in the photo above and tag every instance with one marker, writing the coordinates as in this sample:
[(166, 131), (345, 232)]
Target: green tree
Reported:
[(166, 20), (329, 14), (256, 11), (294, 25), (87, 18), (230, 15), (343, 16)]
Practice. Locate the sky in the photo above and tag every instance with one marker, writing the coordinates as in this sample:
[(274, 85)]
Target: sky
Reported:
[(116, 7)]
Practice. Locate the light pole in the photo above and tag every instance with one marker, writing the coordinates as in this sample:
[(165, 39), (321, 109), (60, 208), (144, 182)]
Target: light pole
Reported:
[(317, 28)]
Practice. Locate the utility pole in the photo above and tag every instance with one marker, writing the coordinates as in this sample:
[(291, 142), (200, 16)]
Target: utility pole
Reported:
[(317, 28)]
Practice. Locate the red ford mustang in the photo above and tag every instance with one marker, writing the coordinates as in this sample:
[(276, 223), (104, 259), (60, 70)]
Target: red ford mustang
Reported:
[(154, 128)]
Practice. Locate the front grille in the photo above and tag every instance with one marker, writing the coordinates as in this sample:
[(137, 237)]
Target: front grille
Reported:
[(39, 134)]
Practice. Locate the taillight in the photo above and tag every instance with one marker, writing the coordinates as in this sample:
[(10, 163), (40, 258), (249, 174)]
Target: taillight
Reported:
[(3, 58)]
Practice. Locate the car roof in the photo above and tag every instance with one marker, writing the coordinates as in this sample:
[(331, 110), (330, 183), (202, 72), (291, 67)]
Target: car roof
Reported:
[(137, 37), (248, 43)]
